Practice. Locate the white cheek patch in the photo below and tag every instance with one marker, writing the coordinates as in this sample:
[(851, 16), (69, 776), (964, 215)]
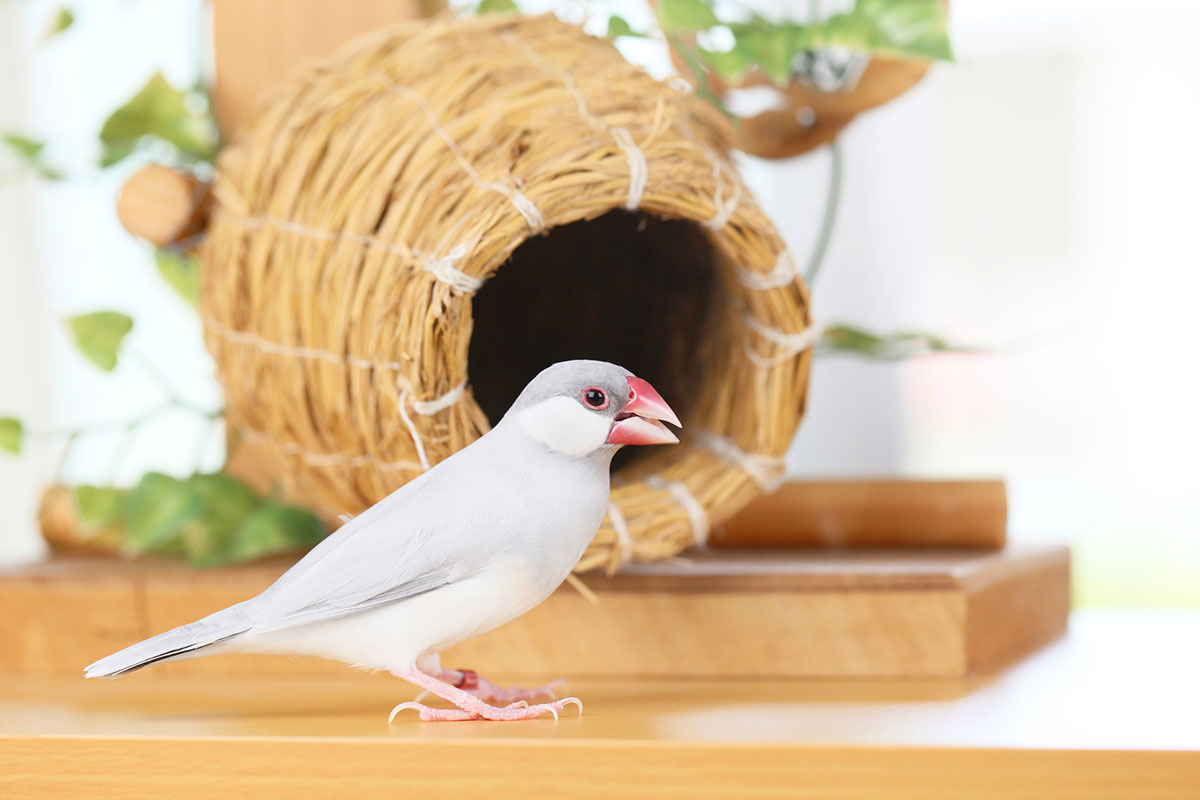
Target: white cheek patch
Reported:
[(564, 425)]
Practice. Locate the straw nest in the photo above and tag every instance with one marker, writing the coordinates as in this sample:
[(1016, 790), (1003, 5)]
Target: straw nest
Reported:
[(408, 231)]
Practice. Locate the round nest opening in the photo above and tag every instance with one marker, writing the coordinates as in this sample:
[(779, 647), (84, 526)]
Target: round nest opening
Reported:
[(625, 287), (407, 233)]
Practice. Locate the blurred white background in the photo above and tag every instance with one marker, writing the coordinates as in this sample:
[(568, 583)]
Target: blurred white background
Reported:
[(1037, 197)]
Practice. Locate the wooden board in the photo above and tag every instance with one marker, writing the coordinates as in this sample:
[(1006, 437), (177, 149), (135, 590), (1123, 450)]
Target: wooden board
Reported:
[(258, 42), (785, 614), (1108, 713), (872, 513)]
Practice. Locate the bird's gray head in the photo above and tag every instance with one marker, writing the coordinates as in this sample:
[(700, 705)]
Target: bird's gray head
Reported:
[(581, 407)]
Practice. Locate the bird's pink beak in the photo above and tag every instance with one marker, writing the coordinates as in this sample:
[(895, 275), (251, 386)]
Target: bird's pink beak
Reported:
[(638, 422)]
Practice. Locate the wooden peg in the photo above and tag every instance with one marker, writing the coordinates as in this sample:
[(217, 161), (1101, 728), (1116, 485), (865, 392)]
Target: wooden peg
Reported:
[(872, 513), (163, 206)]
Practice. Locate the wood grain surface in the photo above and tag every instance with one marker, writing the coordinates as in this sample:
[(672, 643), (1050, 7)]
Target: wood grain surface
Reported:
[(153, 769), (258, 43), (873, 513), (1106, 713), (751, 613), (164, 206)]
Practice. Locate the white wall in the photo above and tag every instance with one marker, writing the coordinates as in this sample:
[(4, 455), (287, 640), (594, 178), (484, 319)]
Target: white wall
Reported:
[(22, 353), (62, 252)]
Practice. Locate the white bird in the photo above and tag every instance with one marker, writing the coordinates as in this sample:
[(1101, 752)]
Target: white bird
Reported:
[(476, 541)]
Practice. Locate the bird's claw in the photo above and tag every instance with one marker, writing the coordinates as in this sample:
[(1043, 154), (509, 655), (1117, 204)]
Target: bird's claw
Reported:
[(400, 708), (429, 714)]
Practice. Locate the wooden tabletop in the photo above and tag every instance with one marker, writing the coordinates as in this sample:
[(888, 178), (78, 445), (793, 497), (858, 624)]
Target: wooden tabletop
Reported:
[(1111, 711)]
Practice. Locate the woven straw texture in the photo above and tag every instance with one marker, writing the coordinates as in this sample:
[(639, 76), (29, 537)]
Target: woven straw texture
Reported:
[(365, 206)]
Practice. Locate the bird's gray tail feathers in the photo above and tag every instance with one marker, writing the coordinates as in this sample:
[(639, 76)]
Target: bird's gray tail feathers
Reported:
[(177, 643)]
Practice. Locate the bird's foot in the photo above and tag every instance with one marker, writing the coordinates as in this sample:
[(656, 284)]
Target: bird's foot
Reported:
[(472, 682), (512, 711), (471, 706), (523, 710), (430, 714)]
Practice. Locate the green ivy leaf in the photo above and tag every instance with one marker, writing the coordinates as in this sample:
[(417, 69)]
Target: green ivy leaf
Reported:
[(496, 7), (64, 18), (12, 435), (686, 16), (275, 528), (181, 272), (156, 511), (29, 152), (905, 28), (210, 519), (23, 146), (159, 111), (618, 26), (884, 347), (99, 335), (771, 47), (731, 64), (208, 537), (98, 506)]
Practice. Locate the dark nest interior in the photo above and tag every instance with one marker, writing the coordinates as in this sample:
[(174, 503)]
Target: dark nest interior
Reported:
[(626, 287)]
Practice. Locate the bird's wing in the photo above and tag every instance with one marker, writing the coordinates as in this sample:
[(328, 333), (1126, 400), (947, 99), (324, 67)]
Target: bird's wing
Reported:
[(415, 540)]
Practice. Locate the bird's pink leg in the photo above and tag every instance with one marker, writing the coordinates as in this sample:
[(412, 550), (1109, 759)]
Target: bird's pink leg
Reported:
[(470, 706), (471, 681)]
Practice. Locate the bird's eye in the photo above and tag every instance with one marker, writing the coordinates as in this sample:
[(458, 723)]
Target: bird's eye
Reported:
[(596, 398)]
